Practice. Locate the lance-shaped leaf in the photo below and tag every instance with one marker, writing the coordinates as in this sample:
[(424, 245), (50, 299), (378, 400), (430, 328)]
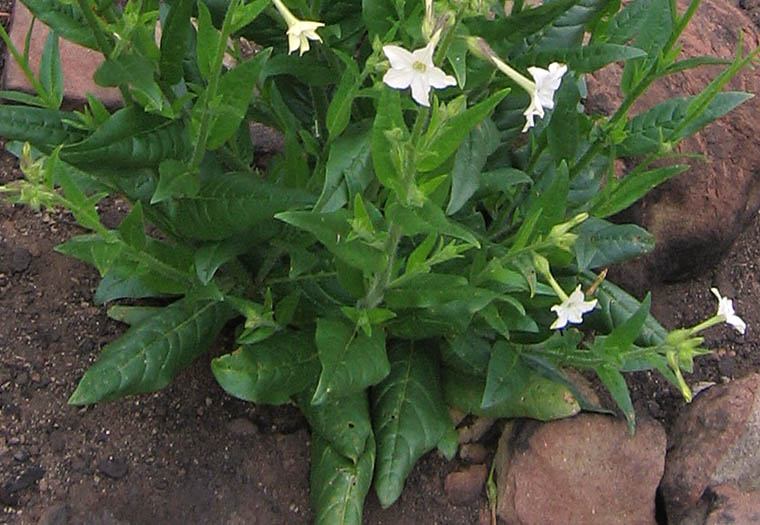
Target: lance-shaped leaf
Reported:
[(210, 256), (440, 142), (345, 423), (175, 35), (151, 353), (581, 59), (351, 361), (233, 204), (65, 18), (94, 249), (408, 415), (615, 383), (507, 376), (270, 371), (338, 485), (601, 243)]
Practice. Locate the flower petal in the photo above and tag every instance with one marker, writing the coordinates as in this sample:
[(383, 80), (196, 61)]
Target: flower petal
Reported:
[(398, 79), (439, 80), (421, 90), (399, 57)]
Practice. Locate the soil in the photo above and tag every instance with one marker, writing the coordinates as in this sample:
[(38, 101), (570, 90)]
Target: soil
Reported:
[(192, 454)]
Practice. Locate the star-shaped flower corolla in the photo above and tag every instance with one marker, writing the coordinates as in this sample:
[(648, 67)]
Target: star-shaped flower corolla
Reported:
[(546, 82), (415, 70), (726, 309), (299, 31), (571, 310)]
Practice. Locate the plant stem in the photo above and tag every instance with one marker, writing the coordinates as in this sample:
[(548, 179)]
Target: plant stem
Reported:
[(380, 283)]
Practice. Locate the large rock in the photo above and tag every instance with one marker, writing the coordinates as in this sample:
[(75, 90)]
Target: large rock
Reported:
[(696, 217), (585, 469), (714, 442)]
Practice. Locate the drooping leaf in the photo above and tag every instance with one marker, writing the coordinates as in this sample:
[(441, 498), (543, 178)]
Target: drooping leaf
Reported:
[(632, 188), (338, 485), (408, 415), (567, 30), (132, 315), (540, 398), (175, 36), (602, 243), (339, 111), (345, 422), (348, 171), (51, 72), (151, 353), (132, 228), (468, 163), (210, 256), (351, 360), (270, 371), (92, 248), (615, 383), (507, 376)]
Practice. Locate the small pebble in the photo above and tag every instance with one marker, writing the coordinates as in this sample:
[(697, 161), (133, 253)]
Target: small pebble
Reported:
[(114, 468)]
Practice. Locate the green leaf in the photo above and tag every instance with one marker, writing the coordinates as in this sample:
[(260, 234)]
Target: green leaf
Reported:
[(568, 29), (345, 422), (136, 71), (339, 111), (151, 353), (624, 334), (388, 119), (246, 13), (51, 73), (409, 417), (540, 398), (626, 23), (348, 171), (615, 383), (132, 228), (654, 32), (351, 361), (175, 180), (615, 306), (132, 315), (207, 41), (466, 352), (80, 205), (235, 90), (429, 218), (507, 376), (547, 205), (233, 204), (175, 36), (270, 371), (338, 485), (563, 132), (601, 243), (440, 142), (332, 230), (94, 249), (64, 18), (631, 188), (523, 24), (468, 163), (210, 256)]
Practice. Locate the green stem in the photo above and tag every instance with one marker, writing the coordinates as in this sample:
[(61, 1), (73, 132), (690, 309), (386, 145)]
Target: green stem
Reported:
[(216, 72), (382, 279), (105, 46), (23, 64)]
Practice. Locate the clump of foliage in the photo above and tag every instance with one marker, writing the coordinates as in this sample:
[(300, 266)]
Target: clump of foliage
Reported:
[(412, 247)]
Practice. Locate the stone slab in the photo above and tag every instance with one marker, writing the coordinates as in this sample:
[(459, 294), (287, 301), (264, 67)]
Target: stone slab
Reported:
[(79, 63)]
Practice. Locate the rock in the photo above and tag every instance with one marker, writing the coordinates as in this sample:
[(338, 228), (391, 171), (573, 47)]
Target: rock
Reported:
[(585, 469), (58, 514), (731, 505), (20, 259), (713, 442), (242, 427), (697, 216), (114, 468), (78, 62), (464, 487), (30, 476), (473, 452)]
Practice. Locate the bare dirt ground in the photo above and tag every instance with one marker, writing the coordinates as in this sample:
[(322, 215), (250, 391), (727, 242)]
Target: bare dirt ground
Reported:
[(190, 453)]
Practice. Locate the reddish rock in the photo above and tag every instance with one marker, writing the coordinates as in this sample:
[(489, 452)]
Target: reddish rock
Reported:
[(714, 441), (465, 486), (79, 63), (585, 469), (697, 216), (731, 505)]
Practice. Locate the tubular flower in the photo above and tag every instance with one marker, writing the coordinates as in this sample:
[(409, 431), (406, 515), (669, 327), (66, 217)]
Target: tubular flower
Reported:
[(726, 309), (415, 70), (571, 310), (299, 31), (541, 89)]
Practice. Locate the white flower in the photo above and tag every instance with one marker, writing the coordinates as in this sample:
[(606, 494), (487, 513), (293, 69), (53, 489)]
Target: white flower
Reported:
[(546, 81), (571, 310), (415, 69), (299, 31), (726, 309)]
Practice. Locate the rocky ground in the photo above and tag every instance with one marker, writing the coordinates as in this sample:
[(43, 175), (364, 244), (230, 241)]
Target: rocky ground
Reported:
[(192, 454)]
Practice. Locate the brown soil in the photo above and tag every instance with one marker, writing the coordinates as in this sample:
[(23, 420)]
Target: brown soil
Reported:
[(192, 454)]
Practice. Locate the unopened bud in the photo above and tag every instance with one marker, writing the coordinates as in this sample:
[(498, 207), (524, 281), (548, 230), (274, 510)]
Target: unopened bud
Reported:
[(480, 48)]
